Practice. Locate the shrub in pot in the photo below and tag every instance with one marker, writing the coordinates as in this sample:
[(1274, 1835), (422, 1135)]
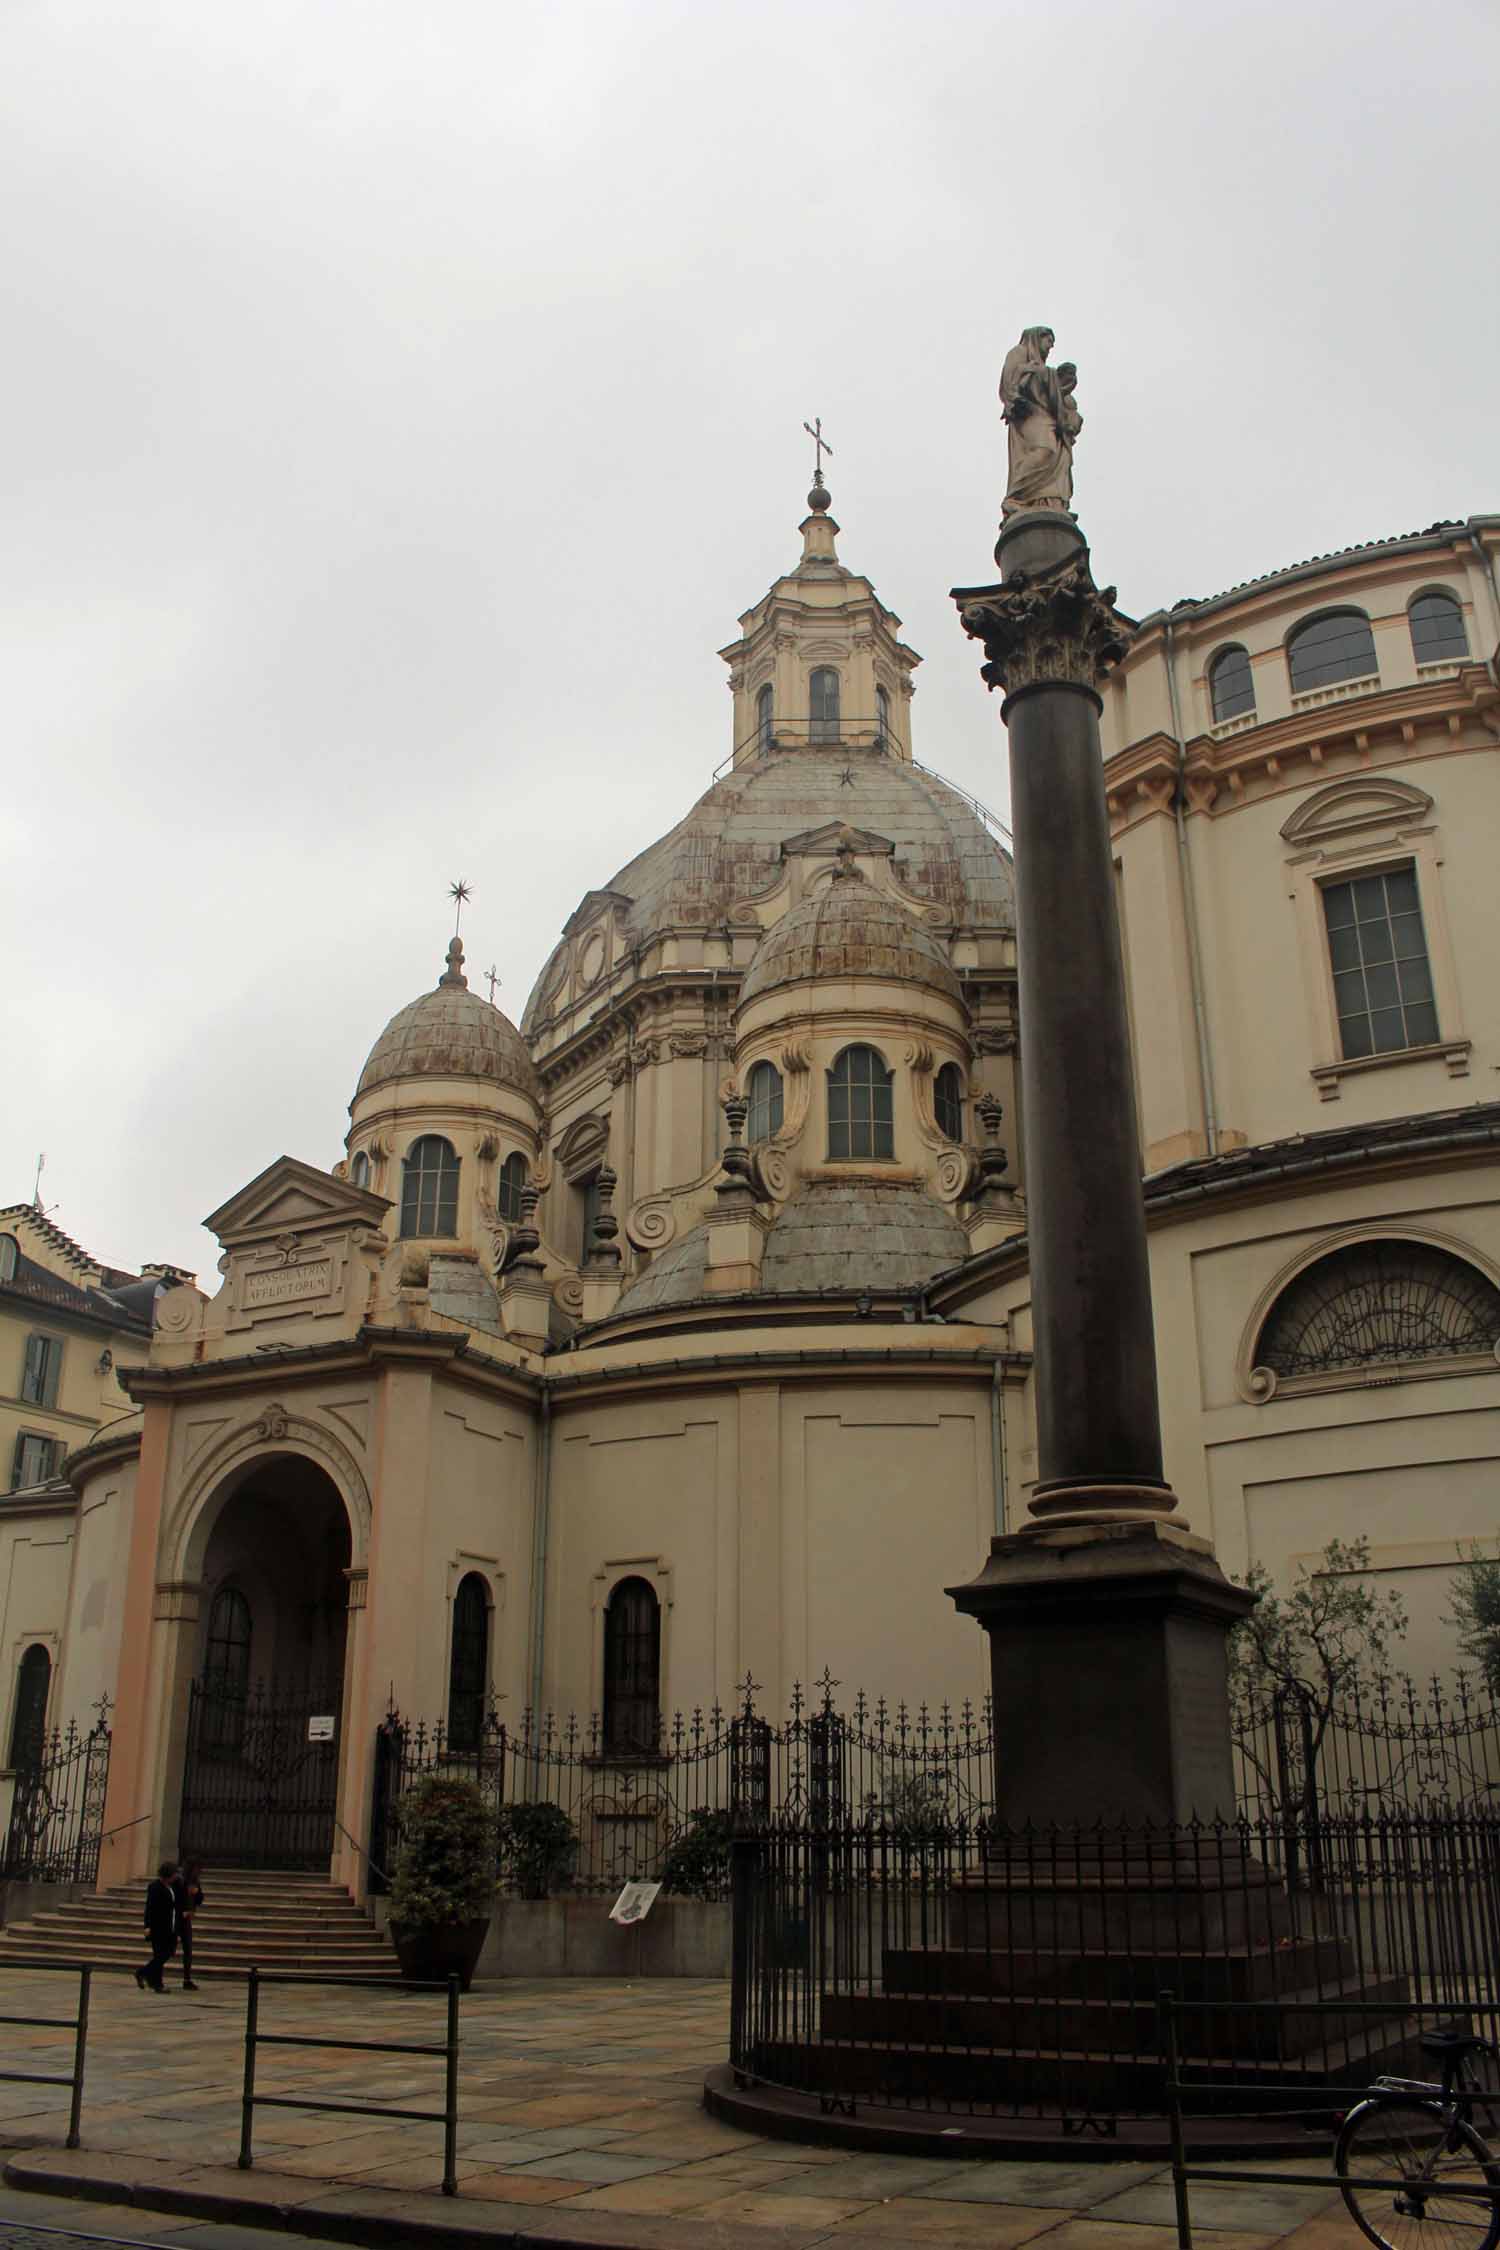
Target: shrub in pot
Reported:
[(697, 1862), (444, 1879), (538, 1844)]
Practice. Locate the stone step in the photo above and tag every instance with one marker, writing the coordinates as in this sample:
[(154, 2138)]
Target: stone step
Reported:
[(373, 1959)]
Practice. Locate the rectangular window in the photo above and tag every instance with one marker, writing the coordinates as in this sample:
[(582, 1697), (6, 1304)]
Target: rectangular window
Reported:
[(1377, 950), (35, 1459), (588, 1196), (43, 1366)]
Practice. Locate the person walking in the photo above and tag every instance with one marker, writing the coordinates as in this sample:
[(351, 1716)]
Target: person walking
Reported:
[(161, 1927), (189, 1892)]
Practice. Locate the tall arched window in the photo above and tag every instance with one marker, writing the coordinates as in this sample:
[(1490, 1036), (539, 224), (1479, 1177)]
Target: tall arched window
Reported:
[(859, 1106), (512, 1180), (226, 1670), (1231, 684), (882, 719), (429, 1187), (1337, 647), (823, 699), (469, 1664), (359, 1170), (763, 1090), (1378, 1303), (1438, 635), (632, 1669), (948, 1101), (28, 1726), (765, 714)]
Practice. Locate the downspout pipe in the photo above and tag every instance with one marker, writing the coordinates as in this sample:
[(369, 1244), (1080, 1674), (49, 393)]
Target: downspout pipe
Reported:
[(1190, 909), (997, 1444), (541, 1508)]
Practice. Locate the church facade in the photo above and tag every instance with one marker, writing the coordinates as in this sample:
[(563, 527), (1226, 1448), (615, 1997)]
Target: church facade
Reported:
[(678, 1335)]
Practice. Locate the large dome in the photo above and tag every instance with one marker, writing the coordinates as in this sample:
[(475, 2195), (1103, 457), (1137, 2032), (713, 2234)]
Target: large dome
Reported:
[(451, 1033), (848, 929)]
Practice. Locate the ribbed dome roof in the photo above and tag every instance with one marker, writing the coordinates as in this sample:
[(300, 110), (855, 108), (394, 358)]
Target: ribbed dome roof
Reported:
[(451, 1033), (848, 928)]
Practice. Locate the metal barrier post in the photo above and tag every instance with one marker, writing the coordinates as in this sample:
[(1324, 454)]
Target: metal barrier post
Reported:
[(252, 2016), (1174, 2123), (80, 2048), (450, 2096)]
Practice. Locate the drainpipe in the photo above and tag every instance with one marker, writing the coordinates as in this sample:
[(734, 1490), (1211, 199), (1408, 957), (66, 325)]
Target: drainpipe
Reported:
[(541, 1502), (997, 1442), (1488, 568), (1190, 912)]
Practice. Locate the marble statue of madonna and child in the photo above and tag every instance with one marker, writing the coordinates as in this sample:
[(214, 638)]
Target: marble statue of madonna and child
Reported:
[(1043, 420)]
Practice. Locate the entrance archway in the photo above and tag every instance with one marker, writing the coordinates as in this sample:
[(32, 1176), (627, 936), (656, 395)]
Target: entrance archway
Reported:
[(264, 1723)]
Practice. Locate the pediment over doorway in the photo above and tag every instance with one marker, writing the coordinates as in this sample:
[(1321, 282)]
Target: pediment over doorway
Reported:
[(299, 1245), (290, 1197)]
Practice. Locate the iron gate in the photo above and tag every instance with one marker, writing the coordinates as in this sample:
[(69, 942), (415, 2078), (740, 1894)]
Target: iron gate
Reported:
[(261, 1777), (57, 1807)]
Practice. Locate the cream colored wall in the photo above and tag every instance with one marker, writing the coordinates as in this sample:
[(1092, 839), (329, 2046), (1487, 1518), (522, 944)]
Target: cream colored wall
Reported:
[(96, 1620), (36, 1551), (87, 1395), (480, 1520)]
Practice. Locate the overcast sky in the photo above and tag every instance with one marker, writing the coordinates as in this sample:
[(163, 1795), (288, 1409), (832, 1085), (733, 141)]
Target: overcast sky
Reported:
[(403, 401)]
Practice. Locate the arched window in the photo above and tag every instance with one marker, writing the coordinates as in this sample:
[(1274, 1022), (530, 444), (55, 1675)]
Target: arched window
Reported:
[(823, 695), (948, 1101), (226, 1671), (763, 1088), (8, 1256), (1375, 1303), (765, 713), (882, 719), (429, 1187), (632, 1669), (28, 1726), (512, 1180), (359, 1170), (859, 1106), (1231, 685), (469, 1664), (1339, 646), (1437, 630)]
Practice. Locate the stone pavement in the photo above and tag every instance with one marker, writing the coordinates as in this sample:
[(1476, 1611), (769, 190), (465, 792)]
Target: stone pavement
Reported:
[(580, 2122)]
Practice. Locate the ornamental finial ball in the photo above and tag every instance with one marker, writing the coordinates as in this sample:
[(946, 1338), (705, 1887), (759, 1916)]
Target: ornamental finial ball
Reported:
[(820, 499)]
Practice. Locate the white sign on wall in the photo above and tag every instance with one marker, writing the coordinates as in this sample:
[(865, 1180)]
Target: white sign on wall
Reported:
[(320, 1729), (634, 1902)]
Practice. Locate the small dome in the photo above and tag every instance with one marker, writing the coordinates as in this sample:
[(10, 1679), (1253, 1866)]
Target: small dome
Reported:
[(848, 928), (451, 1033), (860, 1234)]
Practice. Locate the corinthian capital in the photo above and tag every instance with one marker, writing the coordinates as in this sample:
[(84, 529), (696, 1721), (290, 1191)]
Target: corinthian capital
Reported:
[(1046, 627)]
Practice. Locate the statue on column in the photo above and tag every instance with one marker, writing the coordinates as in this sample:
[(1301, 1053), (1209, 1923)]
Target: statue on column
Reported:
[(1043, 419)]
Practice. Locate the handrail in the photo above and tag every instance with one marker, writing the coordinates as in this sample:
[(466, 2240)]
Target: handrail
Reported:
[(373, 1865), (843, 729)]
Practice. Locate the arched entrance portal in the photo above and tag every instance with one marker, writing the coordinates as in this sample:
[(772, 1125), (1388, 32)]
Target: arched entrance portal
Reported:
[(260, 1772)]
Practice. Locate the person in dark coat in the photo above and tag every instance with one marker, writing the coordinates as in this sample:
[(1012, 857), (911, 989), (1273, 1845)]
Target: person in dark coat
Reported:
[(161, 1926), (189, 1892)]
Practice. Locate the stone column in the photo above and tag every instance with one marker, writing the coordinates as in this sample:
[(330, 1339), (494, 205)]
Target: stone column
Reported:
[(1107, 1618)]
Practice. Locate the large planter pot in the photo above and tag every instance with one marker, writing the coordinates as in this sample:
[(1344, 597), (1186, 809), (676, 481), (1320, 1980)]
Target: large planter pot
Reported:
[(440, 1950)]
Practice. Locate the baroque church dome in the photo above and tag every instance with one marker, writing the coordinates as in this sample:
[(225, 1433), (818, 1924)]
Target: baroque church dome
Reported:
[(847, 929), (451, 1033)]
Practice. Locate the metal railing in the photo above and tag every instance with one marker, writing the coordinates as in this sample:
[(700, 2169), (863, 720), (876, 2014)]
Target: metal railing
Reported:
[(1392, 1743), (79, 2026), (57, 1807), (255, 2039)]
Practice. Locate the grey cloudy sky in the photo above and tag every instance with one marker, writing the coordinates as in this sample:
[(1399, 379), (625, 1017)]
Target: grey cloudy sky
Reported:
[(402, 402)]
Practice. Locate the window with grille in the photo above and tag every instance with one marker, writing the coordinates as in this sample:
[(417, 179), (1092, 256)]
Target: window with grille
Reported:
[(35, 1459), (765, 713), (226, 1670), (1377, 950), (1438, 635), (859, 1106), (823, 692), (1231, 684), (512, 1180), (28, 1726), (948, 1101), (1377, 1302), (1340, 646), (632, 1669), (469, 1664), (764, 1092), (41, 1370), (429, 1188), (359, 1170), (882, 718)]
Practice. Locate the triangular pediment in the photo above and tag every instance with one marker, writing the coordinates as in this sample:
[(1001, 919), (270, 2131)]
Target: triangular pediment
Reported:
[(1346, 807), (290, 1197), (836, 836)]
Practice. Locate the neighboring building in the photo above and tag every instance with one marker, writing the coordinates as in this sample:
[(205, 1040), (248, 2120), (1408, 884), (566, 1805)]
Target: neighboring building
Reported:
[(681, 1334)]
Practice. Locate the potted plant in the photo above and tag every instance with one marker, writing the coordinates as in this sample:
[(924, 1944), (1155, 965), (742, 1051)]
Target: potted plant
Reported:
[(538, 1844), (444, 1879)]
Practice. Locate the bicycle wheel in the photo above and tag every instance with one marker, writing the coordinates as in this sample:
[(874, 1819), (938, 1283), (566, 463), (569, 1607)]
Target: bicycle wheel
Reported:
[(1420, 2150)]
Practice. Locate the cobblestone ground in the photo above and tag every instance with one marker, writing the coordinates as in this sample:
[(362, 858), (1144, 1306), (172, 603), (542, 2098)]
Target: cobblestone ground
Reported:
[(583, 2094)]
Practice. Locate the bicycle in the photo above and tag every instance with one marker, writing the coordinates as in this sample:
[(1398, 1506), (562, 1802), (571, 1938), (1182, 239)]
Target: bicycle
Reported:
[(1422, 2136)]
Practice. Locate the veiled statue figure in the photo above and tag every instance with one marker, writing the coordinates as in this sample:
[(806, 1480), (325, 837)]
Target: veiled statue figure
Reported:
[(1043, 421)]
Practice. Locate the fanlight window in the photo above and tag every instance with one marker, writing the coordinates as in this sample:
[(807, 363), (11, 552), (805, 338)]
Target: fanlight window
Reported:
[(429, 1188), (948, 1101), (859, 1106), (1437, 630), (763, 1087), (1337, 647), (765, 715), (512, 1180), (823, 690), (359, 1170), (1231, 684), (28, 1727), (469, 1664), (632, 1669), (1378, 1303)]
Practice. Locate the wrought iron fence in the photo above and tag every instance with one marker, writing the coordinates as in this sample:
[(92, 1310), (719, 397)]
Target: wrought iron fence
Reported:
[(950, 1966), (1390, 1746), (668, 1813), (57, 1807)]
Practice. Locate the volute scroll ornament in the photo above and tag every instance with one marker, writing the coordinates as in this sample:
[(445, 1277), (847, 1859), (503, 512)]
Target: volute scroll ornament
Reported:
[(773, 1172), (953, 1174), (650, 1224), (1047, 627), (271, 1425)]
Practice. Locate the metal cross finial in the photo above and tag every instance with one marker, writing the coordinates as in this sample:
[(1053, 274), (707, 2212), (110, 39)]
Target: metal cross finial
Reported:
[(492, 977), (820, 447), (458, 892)]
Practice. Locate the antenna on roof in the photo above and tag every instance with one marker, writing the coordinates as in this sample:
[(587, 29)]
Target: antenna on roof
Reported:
[(41, 1209)]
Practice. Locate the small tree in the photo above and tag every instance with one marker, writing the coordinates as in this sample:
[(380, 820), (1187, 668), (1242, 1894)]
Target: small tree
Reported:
[(1475, 1611)]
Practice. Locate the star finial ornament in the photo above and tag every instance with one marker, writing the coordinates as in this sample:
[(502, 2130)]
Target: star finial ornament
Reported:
[(458, 892), (846, 778)]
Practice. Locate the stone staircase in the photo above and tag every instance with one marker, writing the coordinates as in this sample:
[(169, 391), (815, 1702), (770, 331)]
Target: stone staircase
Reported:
[(293, 1924)]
